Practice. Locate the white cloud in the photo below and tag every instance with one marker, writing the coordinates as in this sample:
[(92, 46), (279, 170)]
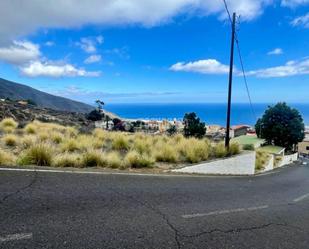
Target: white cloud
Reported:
[(291, 68), (276, 51), (293, 3), (52, 69), (100, 39), (37, 14), (49, 43), (301, 21), (88, 44), (209, 66), (93, 58), (19, 52)]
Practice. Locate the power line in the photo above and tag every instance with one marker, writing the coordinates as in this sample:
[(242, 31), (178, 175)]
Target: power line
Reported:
[(241, 62)]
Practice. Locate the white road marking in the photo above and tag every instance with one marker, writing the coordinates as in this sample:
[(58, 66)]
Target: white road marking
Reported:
[(17, 236), (110, 173), (228, 211), (301, 198)]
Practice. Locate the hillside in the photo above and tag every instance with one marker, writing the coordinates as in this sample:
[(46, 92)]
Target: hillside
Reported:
[(15, 91)]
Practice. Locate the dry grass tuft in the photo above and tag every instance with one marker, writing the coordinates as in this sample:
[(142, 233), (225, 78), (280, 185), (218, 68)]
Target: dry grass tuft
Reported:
[(10, 140), (67, 160), (136, 160), (6, 158), (220, 150), (114, 160), (40, 154), (8, 125), (93, 158), (165, 152)]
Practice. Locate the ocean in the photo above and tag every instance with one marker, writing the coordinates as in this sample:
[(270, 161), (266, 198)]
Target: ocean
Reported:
[(209, 113)]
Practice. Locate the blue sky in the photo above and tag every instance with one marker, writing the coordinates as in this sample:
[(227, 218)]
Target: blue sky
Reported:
[(153, 51)]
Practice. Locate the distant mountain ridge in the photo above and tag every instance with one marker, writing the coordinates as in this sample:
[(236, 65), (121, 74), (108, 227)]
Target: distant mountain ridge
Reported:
[(16, 91)]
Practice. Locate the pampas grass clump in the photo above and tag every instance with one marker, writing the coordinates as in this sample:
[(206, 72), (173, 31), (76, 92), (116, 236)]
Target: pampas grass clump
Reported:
[(67, 160), (136, 160), (165, 152), (8, 125), (6, 158), (39, 154), (93, 158), (10, 140), (114, 160)]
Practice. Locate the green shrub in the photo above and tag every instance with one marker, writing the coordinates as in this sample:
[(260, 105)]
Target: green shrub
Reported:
[(39, 154), (136, 160), (248, 147)]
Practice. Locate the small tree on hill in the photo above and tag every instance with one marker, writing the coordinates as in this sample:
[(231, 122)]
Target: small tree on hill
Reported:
[(281, 125), (193, 127)]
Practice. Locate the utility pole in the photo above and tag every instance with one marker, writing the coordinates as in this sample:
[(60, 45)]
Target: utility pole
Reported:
[(228, 118)]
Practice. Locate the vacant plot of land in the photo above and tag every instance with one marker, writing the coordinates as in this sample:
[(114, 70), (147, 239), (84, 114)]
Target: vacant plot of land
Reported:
[(48, 144)]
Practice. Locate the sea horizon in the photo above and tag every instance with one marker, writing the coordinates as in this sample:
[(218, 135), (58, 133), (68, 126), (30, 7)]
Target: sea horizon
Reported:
[(210, 113)]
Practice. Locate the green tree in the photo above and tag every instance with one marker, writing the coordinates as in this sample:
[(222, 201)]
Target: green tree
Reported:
[(193, 127), (172, 130), (281, 125)]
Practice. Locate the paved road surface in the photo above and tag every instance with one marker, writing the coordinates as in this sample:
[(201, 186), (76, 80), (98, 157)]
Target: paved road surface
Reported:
[(63, 210)]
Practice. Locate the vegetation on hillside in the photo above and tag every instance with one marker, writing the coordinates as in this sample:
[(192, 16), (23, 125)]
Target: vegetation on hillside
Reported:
[(49, 144)]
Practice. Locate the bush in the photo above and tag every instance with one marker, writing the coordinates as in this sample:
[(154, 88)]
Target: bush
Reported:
[(220, 150), (261, 159), (234, 149), (136, 160), (248, 147), (10, 140), (40, 154), (93, 158), (143, 146), (94, 115), (165, 153), (120, 142), (113, 160), (195, 150), (67, 160), (69, 145), (56, 137), (6, 158), (31, 128), (28, 140), (8, 125)]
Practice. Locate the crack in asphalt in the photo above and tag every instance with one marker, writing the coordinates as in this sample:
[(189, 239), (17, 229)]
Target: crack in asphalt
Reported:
[(239, 230), (179, 235), (32, 182), (155, 210)]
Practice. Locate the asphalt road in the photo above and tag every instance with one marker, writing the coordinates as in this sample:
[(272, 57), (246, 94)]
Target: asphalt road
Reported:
[(64, 210)]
